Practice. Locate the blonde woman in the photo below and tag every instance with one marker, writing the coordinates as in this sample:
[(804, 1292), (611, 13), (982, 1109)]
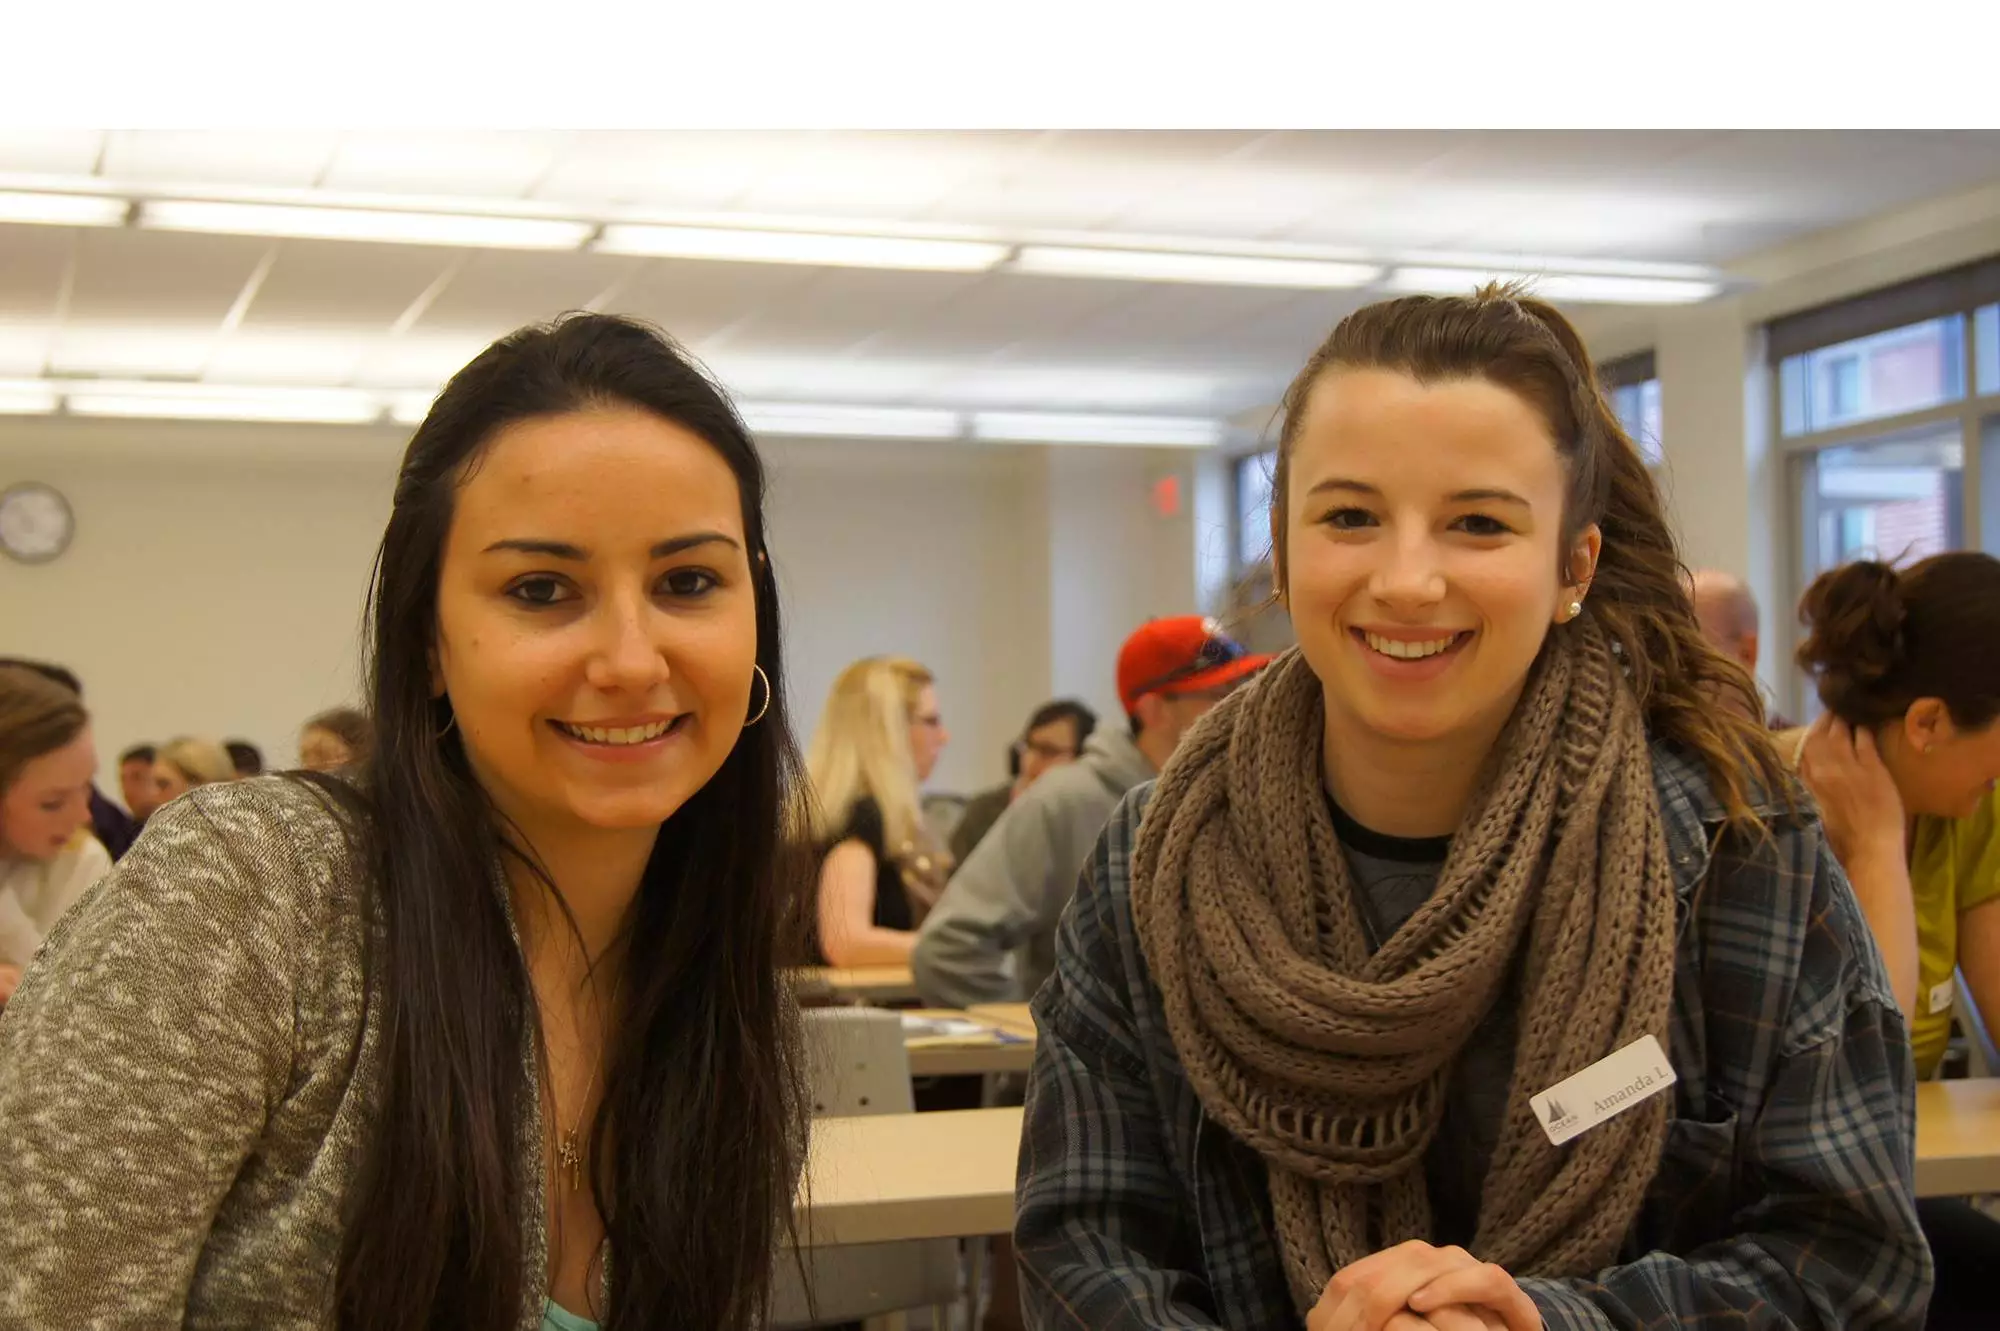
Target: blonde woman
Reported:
[(184, 763), (878, 740)]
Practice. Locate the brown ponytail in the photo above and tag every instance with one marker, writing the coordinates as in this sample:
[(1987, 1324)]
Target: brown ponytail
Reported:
[(1638, 591), (1878, 640)]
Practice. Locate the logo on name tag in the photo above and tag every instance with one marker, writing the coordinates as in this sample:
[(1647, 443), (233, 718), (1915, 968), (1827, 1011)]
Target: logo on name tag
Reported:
[(1604, 1090)]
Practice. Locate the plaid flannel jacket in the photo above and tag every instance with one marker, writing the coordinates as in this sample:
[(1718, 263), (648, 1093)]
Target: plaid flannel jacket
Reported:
[(1784, 1194)]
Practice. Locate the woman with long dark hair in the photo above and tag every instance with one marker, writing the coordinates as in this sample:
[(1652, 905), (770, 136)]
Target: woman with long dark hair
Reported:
[(1472, 968), (496, 1035)]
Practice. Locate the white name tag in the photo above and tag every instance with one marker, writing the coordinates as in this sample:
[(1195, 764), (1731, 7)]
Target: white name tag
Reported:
[(1941, 995), (1605, 1089)]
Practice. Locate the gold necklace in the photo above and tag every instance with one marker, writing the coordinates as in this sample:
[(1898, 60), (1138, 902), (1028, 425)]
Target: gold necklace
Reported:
[(569, 1151)]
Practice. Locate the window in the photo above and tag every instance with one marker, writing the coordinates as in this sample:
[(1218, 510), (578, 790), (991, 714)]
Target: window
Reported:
[(1254, 473), (1892, 438), (1986, 346), (1884, 374), (1638, 408), (1633, 385), (1900, 499)]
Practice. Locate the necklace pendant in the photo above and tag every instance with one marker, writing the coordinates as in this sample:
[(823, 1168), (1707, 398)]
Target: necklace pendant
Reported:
[(571, 1159)]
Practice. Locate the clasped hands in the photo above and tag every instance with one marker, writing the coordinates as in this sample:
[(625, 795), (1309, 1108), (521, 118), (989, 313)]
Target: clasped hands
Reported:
[(1417, 1287)]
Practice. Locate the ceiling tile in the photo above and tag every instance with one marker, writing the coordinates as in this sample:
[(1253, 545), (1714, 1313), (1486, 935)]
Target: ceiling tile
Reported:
[(24, 346), (290, 355), (671, 169), (277, 158), (502, 290), (50, 152), (820, 315), (496, 164), (327, 284), (421, 360), (139, 276), (157, 348), (695, 301), (32, 260)]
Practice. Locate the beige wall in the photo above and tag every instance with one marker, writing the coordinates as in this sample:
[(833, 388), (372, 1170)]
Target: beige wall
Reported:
[(218, 574)]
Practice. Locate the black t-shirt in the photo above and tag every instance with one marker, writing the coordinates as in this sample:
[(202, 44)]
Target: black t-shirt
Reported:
[(1396, 875), (892, 901)]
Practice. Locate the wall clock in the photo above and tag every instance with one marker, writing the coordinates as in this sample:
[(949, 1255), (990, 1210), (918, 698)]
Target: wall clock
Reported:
[(36, 523)]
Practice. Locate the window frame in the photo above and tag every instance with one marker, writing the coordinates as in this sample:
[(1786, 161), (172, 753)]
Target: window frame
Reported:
[(1960, 292)]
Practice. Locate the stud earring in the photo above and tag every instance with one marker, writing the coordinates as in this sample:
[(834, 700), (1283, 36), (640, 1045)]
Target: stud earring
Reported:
[(1929, 747), (1575, 609)]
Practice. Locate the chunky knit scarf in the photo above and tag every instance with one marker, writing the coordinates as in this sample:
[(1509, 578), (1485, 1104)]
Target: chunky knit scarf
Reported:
[(1331, 1062)]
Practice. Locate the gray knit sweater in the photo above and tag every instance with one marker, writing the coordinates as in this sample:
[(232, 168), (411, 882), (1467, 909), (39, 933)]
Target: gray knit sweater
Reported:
[(185, 1081)]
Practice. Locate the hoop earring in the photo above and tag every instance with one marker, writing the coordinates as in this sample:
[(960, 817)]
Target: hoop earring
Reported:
[(450, 723), (767, 697)]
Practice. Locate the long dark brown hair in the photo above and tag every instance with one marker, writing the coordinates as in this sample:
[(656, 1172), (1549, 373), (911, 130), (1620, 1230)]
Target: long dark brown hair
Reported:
[(1638, 591), (697, 1144), (1878, 639)]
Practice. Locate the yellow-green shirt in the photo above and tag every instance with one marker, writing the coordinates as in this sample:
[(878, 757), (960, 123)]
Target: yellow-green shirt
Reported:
[(1954, 866)]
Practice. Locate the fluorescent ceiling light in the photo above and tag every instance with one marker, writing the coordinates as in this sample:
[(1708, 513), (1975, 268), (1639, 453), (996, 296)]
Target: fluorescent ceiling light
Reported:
[(63, 209), (851, 422), (1583, 288), (691, 242), (1055, 428), (410, 408), (404, 228), (26, 398), (215, 402), (1173, 266)]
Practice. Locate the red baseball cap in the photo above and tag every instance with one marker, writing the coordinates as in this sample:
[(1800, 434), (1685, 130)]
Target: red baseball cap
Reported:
[(1184, 654)]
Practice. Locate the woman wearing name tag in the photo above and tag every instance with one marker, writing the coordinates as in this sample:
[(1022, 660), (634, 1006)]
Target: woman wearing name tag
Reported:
[(1471, 968), (1902, 765), (489, 1032)]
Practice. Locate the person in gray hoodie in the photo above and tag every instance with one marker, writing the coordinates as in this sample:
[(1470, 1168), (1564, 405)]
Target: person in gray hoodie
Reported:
[(991, 936)]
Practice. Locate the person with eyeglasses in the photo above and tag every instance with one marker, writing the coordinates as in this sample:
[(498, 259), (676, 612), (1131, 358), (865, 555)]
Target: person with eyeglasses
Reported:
[(991, 936), (1054, 736)]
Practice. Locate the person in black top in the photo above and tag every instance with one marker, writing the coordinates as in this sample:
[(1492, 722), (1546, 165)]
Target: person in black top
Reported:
[(881, 866)]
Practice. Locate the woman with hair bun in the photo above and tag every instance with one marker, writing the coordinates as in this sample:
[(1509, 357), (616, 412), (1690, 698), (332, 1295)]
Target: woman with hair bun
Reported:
[(1903, 765)]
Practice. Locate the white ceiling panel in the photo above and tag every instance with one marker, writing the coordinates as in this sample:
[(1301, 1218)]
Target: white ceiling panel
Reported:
[(694, 300), (421, 360), (277, 158), (183, 304), (288, 354), (325, 284), (840, 307), (32, 260), (881, 174), (24, 346), (1114, 385), (51, 152), (1003, 309), (138, 277), (502, 290), (156, 348), (498, 164), (673, 169)]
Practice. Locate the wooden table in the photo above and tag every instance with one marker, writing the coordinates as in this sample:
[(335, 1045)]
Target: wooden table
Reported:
[(1958, 1137), (1007, 1016), (1002, 1050), (951, 1174), (873, 984), (888, 1177)]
